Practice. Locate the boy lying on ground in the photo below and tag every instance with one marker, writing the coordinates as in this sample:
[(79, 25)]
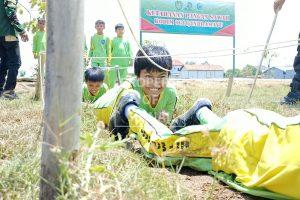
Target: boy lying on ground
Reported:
[(150, 91), (94, 87)]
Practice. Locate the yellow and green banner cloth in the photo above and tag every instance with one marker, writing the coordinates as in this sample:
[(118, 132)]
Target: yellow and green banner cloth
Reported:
[(254, 151)]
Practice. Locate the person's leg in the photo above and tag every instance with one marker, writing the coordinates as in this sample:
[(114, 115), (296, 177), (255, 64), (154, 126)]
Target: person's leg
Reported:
[(13, 61), (112, 77), (294, 95), (119, 123), (3, 66), (123, 73), (190, 117)]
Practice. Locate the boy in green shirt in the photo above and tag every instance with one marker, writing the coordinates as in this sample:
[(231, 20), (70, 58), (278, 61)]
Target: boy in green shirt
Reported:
[(146, 102), (121, 55), (153, 93), (39, 39), (100, 47), (94, 87)]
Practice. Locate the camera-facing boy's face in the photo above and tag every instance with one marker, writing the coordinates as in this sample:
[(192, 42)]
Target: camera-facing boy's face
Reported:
[(120, 32), (94, 87), (99, 27), (153, 82)]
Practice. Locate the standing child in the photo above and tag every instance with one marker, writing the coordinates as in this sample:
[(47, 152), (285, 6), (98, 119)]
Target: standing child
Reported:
[(39, 39), (120, 48), (100, 51), (100, 46), (94, 87), (39, 45)]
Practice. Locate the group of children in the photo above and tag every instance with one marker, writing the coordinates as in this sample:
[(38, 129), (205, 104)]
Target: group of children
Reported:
[(155, 95), (114, 56), (149, 90)]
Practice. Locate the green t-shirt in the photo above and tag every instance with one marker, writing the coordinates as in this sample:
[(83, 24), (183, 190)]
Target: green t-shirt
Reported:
[(100, 47), (39, 42), (120, 48), (167, 99), (88, 97)]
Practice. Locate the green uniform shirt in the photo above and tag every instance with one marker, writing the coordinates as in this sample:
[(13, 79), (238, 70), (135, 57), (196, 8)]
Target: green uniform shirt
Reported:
[(100, 47), (120, 48), (9, 23), (167, 100), (39, 42), (88, 97)]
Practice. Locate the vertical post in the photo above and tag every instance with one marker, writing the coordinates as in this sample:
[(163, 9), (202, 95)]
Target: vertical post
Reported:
[(230, 80), (40, 77), (141, 38), (118, 74), (62, 88), (233, 57)]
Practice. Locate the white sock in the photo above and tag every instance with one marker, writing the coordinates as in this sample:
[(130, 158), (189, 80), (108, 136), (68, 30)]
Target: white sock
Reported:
[(128, 108)]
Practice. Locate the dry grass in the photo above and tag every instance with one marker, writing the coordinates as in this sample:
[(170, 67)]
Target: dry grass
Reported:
[(117, 172)]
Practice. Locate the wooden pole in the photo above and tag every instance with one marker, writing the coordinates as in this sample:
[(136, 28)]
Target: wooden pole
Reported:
[(40, 78), (62, 88)]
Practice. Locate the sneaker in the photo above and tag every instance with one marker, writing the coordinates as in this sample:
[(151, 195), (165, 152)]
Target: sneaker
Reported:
[(290, 99), (118, 122), (189, 117), (9, 94)]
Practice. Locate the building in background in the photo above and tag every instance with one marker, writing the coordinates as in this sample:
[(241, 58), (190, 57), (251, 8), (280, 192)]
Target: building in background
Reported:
[(196, 71), (279, 72)]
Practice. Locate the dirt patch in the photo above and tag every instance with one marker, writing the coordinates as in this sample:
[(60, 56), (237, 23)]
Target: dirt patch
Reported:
[(203, 186)]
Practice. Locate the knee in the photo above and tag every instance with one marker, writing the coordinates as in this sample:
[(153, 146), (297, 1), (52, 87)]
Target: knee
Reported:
[(205, 102)]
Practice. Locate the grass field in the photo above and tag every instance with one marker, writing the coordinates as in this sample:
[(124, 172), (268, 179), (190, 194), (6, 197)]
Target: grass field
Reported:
[(117, 173)]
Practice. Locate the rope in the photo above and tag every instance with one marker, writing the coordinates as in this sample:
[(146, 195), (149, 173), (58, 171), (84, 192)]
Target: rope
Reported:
[(212, 56), (136, 41), (26, 10)]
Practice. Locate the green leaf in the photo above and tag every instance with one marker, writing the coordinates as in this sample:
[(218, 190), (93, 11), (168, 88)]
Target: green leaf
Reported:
[(87, 139)]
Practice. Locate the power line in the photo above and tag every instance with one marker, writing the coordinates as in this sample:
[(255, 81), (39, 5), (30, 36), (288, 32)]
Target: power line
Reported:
[(242, 52)]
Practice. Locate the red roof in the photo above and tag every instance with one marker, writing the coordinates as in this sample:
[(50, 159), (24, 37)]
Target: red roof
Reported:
[(177, 63)]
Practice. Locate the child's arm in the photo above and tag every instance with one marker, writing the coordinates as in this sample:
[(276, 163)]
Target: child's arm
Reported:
[(163, 117), (170, 108), (108, 51), (91, 48)]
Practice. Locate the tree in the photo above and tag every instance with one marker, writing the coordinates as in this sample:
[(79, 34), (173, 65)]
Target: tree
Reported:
[(63, 89), (40, 5), (249, 71), (238, 73), (269, 56)]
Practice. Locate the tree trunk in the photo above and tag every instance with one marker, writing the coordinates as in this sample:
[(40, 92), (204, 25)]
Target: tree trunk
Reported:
[(62, 87)]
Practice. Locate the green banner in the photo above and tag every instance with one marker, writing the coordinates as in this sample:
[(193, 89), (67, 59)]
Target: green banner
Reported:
[(188, 17)]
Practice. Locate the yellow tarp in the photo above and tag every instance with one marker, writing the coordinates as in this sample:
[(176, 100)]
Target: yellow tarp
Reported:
[(260, 147), (263, 154)]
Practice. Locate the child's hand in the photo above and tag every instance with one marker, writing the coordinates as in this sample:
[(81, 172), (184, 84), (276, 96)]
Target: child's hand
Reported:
[(163, 117)]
